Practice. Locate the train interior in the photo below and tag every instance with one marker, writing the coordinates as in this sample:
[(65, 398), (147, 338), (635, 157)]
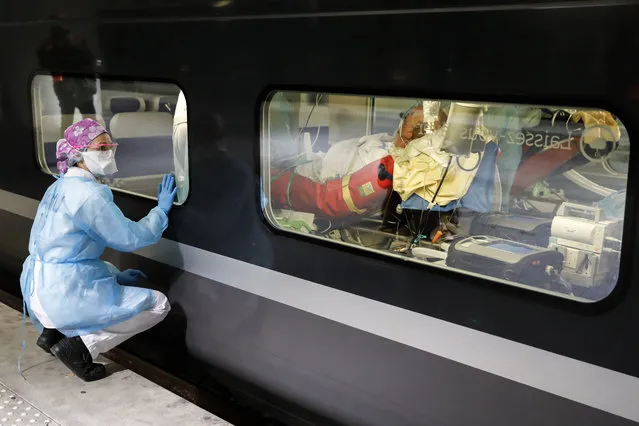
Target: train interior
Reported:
[(531, 196), (139, 116)]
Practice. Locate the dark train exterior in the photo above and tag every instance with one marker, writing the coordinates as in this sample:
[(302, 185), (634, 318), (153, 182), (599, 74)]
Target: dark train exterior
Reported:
[(313, 332)]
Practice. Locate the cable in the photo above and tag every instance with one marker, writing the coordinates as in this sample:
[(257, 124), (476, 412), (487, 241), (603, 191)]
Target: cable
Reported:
[(318, 97), (586, 183), (472, 168), (301, 130), (608, 167), (432, 202)]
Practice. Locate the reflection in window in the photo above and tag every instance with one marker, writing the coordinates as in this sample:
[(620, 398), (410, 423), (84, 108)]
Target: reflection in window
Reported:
[(146, 119), (525, 195)]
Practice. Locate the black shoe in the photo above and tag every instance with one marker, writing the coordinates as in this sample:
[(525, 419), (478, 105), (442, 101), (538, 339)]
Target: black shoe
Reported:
[(48, 338), (75, 355)]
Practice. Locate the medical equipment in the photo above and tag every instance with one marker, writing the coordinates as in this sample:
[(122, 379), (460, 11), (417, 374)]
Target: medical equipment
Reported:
[(602, 143), (589, 242), (461, 125), (506, 259), (428, 254), (431, 113), (525, 229)]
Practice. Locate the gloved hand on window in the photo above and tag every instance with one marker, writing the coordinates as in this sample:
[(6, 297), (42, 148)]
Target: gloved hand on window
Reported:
[(130, 276), (166, 193)]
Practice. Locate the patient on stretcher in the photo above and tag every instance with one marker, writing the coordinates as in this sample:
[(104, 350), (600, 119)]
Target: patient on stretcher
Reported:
[(356, 176), (443, 158)]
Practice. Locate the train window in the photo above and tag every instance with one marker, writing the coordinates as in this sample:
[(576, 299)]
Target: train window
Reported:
[(147, 120), (526, 195)]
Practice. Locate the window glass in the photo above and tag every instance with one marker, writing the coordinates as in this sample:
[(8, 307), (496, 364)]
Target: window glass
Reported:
[(527, 195), (146, 119)]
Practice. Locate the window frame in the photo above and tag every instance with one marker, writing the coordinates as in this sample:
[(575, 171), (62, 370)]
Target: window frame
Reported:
[(268, 213), (36, 114)]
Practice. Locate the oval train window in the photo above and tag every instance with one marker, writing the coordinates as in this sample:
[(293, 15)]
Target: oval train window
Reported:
[(532, 196), (147, 120)]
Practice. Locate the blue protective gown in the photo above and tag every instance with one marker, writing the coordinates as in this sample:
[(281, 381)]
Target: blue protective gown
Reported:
[(76, 220)]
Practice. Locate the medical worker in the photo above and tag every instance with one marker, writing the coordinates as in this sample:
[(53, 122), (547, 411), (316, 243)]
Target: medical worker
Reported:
[(84, 306)]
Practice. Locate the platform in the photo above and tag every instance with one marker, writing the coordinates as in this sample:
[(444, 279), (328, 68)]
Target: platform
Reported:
[(49, 394)]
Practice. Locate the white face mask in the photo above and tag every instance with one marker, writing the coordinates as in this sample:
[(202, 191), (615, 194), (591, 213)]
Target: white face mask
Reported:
[(100, 163)]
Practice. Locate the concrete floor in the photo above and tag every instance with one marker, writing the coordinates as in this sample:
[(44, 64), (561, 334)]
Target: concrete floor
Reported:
[(51, 394)]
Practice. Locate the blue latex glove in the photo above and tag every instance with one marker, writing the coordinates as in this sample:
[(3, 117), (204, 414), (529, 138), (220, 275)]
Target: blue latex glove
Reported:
[(166, 193), (130, 276)]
